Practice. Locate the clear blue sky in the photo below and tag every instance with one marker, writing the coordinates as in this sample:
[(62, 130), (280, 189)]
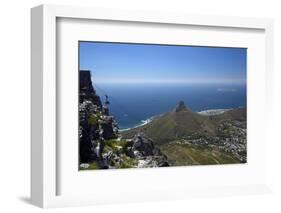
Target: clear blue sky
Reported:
[(138, 63)]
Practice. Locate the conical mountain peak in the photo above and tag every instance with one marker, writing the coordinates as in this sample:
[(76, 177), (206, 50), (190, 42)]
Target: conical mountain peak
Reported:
[(181, 107)]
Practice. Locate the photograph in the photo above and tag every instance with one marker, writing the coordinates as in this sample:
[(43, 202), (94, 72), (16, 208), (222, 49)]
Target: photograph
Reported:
[(161, 105)]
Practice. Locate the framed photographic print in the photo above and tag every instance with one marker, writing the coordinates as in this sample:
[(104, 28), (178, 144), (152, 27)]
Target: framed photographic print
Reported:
[(133, 111), (148, 106)]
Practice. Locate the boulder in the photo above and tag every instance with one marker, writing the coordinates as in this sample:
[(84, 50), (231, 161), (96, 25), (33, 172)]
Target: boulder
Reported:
[(143, 145)]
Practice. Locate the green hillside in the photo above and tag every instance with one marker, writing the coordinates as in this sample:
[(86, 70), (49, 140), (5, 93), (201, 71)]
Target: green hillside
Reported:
[(186, 154)]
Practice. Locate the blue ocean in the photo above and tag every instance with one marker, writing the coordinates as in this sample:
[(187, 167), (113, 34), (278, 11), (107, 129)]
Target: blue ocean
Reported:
[(134, 104)]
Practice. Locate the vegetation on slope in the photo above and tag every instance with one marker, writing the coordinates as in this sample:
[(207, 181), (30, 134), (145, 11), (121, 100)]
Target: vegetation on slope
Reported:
[(184, 124), (186, 154)]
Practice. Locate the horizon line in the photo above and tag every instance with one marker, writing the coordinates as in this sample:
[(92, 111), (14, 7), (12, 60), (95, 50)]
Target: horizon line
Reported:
[(137, 81)]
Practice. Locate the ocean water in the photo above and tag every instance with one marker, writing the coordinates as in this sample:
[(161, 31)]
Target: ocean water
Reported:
[(134, 104)]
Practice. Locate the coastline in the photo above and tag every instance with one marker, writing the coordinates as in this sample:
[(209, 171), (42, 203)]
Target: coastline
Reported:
[(143, 122)]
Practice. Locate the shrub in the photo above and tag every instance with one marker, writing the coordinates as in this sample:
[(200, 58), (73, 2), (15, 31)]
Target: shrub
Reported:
[(127, 163), (93, 120)]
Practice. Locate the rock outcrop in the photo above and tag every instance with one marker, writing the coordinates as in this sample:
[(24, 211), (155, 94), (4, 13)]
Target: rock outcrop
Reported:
[(95, 126), (148, 154), (180, 107), (86, 89)]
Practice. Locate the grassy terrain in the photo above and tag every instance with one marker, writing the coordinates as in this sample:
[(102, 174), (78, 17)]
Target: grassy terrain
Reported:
[(174, 125), (239, 114), (183, 154)]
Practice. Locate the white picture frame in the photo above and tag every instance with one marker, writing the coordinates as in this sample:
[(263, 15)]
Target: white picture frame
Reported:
[(44, 155)]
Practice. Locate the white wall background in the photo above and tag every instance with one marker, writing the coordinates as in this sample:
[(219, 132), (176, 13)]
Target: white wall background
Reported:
[(15, 104)]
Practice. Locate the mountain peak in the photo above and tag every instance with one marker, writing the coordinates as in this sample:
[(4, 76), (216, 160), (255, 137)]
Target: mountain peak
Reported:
[(181, 107)]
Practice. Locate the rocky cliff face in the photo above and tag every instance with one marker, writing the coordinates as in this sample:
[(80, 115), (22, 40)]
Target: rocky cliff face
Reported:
[(95, 124), (100, 145), (87, 92)]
